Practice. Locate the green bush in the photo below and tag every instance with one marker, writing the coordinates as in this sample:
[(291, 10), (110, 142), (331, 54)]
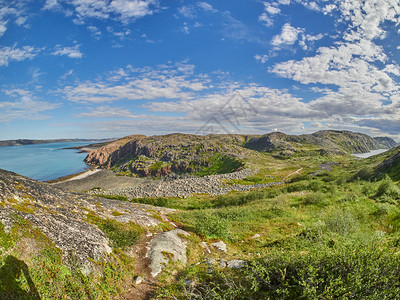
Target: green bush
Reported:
[(366, 173), (341, 221), (211, 225), (388, 188), (314, 198), (364, 271)]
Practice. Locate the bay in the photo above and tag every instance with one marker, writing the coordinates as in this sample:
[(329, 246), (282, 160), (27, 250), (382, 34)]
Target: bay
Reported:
[(43, 162), (371, 153)]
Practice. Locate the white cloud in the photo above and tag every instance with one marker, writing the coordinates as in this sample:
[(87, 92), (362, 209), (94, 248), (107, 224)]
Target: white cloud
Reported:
[(288, 36), (71, 52), (273, 10), (107, 112), (366, 17), (187, 11), (261, 58), (354, 77), (136, 84), (8, 54), (207, 7), (50, 4), (307, 39), (120, 34), (266, 20), (124, 11), (12, 10), (24, 105), (96, 32)]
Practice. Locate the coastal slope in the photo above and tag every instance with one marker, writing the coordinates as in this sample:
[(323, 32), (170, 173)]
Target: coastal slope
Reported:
[(158, 156)]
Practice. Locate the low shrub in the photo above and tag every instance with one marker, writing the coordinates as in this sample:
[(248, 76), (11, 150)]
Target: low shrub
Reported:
[(358, 272), (211, 225), (388, 188), (314, 198)]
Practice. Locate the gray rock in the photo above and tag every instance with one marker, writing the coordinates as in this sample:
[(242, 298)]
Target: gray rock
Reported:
[(236, 264), (62, 216), (166, 243), (138, 280), (221, 246), (222, 263)]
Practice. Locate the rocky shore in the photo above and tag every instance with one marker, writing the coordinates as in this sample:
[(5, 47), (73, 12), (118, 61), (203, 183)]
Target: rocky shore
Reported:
[(184, 187)]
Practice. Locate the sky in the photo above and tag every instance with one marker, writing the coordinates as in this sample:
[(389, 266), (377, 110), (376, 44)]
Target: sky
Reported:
[(111, 68)]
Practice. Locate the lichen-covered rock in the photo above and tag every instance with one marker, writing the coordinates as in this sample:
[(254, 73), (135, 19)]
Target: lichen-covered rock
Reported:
[(165, 246), (62, 216)]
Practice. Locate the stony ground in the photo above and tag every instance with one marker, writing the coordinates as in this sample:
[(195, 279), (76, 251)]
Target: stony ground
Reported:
[(184, 187)]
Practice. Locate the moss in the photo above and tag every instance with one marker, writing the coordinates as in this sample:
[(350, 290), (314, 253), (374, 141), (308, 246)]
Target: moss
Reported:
[(116, 213), (121, 235)]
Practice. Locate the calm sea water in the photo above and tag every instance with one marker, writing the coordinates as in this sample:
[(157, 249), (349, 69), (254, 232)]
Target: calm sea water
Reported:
[(368, 154), (43, 162)]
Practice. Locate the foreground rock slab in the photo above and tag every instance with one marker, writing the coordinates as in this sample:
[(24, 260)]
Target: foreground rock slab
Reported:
[(63, 217), (167, 245)]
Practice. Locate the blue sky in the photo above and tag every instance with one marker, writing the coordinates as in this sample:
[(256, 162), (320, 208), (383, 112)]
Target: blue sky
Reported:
[(102, 68)]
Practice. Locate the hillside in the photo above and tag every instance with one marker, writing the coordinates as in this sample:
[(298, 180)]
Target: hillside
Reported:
[(73, 240), (174, 153), (158, 156), (306, 226), (324, 142)]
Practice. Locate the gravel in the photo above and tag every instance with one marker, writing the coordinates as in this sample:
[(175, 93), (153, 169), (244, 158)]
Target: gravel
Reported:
[(184, 187)]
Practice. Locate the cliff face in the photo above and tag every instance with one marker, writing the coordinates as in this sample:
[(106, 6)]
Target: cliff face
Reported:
[(161, 155)]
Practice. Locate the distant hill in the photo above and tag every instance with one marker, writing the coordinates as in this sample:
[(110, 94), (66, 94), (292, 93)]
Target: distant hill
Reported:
[(187, 153), (326, 141), (386, 142), (21, 142)]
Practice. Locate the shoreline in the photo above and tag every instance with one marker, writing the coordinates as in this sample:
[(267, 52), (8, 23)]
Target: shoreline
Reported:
[(67, 178)]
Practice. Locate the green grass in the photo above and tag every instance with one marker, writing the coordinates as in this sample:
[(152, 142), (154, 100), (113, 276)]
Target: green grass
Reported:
[(328, 236), (121, 235), (220, 164)]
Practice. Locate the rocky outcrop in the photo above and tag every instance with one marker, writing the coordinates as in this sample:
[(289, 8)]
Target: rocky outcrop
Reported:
[(158, 156), (63, 217)]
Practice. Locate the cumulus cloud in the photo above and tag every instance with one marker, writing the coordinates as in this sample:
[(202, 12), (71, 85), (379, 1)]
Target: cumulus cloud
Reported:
[(124, 11), (356, 80), (288, 36), (8, 54), (71, 52), (135, 84)]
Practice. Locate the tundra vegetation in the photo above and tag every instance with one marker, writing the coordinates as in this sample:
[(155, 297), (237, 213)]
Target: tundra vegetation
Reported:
[(330, 231)]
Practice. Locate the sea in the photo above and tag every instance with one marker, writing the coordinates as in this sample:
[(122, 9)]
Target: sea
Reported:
[(43, 162), (371, 153)]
